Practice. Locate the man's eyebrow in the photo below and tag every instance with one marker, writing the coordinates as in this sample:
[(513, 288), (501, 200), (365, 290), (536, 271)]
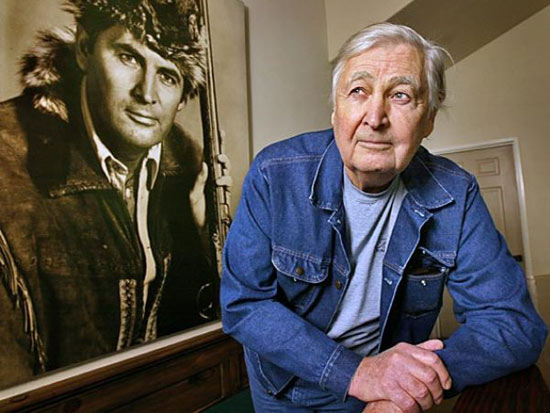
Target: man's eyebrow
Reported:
[(394, 81), (405, 80), (362, 74), (128, 48)]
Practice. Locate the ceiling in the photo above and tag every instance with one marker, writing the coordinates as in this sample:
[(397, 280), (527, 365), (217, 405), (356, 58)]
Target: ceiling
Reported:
[(464, 26)]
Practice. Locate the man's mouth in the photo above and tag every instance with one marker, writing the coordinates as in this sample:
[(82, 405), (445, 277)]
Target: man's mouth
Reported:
[(143, 118), (373, 144)]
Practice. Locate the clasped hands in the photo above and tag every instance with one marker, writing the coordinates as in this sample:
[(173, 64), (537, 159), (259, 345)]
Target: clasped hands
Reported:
[(405, 378)]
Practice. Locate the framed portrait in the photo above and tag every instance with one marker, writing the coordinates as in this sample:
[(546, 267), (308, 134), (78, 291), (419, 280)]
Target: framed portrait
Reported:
[(116, 197)]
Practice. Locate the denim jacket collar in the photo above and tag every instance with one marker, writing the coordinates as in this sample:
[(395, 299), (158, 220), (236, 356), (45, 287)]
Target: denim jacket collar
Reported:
[(424, 189), (326, 189)]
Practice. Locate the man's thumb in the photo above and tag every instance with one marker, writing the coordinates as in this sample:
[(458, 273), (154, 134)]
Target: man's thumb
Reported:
[(431, 345)]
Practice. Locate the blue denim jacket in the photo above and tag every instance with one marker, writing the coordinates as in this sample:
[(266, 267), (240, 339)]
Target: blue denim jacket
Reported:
[(286, 270)]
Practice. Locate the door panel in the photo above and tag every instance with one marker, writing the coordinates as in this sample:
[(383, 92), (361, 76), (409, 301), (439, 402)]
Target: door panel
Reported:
[(495, 172)]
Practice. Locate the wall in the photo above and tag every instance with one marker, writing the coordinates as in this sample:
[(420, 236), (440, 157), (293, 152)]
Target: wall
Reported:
[(346, 17), (288, 68), (27, 20), (500, 91)]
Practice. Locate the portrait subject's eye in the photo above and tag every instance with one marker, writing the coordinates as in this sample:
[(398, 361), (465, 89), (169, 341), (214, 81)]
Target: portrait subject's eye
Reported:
[(169, 79), (128, 59)]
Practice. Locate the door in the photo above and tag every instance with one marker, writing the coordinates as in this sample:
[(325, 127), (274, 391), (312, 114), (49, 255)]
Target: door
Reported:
[(495, 171)]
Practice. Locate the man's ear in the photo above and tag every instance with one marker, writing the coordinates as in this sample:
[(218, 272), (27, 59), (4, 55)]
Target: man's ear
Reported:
[(332, 118), (430, 124), (82, 46)]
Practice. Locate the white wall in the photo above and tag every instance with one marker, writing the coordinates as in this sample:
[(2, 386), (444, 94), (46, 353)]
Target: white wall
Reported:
[(289, 70), (503, 90), (345, 17)]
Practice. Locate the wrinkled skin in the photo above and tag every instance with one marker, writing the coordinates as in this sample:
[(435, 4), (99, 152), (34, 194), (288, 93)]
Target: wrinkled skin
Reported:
[(381, 114)]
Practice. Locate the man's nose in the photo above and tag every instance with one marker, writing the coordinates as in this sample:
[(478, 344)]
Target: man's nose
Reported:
[(145, 88), (375, 111)]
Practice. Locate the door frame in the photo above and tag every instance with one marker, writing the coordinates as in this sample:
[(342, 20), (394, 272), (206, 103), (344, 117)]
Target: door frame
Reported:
[(514, 142)]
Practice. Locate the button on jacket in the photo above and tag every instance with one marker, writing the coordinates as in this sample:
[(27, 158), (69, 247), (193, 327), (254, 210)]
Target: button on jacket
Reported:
[(286, 270)]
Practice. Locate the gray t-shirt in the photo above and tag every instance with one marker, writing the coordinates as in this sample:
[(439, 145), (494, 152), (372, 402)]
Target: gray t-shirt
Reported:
[(370, 219)]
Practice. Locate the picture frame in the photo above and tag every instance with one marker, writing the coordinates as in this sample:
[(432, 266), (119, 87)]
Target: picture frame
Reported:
[(223, 110)]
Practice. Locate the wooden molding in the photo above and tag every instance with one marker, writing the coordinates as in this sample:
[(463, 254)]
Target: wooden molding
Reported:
[(191, 375)]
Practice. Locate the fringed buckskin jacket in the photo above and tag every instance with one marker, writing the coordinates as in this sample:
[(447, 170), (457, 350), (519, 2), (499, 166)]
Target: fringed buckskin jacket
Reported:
[(70, 259)]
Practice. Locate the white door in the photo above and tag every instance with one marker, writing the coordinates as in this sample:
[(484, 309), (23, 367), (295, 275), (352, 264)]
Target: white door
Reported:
[(495, 171)]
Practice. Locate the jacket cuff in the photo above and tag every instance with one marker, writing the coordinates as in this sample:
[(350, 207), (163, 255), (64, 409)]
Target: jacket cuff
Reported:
[(339, 371)]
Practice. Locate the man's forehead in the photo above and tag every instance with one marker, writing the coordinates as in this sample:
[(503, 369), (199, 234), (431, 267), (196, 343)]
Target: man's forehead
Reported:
[(399, 62), (365, 75)]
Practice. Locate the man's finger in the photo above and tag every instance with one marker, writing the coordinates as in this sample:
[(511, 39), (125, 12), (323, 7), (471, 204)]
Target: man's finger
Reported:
[(433, 363), (422, 380), (431, 345), (420, 392), (382, 406), (404, 401)]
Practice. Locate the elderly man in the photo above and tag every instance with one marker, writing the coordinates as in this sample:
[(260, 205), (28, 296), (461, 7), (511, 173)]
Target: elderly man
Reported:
[(100, 243), (344, 240)]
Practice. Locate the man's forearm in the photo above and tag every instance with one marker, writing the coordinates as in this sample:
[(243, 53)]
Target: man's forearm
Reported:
[(299, 347)]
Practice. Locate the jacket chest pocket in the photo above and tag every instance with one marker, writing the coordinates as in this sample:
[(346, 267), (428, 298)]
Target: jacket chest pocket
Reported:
[(423, 283), (300, 277)]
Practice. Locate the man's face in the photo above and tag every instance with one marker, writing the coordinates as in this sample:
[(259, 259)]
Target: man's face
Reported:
[(133, 92), (381, 114)]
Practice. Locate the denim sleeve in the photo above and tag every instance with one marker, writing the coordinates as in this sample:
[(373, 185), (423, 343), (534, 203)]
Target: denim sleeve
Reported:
[(500, 330), (251, 311)]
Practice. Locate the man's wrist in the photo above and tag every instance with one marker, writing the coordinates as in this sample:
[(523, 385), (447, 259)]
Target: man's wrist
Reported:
[(340, 368), (359, 385)]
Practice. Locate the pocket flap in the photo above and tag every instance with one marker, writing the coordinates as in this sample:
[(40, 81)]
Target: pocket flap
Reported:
[(444, 258), (300, 266)]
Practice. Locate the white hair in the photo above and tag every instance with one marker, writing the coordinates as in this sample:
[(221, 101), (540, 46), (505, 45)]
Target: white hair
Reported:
[(388, 33)]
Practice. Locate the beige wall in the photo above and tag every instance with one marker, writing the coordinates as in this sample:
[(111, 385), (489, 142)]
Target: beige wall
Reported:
[(500, 91), (289, 70), (19, 35), (345, 17)]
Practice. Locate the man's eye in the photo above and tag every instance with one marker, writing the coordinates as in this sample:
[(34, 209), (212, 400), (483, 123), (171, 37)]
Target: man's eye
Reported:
[(356, 91), (168, 79), (401, 97), (128, 59)]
